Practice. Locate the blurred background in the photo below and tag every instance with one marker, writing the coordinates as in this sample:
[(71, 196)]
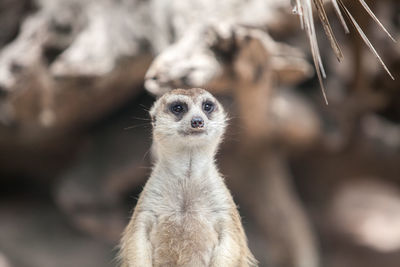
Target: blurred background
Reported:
[(316, 184)]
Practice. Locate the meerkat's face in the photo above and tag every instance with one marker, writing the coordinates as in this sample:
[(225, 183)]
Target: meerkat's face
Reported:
[(189, 117)]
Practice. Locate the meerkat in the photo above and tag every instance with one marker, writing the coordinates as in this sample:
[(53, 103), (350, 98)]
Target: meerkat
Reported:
[(185, 215)]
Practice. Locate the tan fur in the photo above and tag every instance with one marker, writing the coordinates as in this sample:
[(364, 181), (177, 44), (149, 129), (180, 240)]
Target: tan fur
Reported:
[(185, 215)]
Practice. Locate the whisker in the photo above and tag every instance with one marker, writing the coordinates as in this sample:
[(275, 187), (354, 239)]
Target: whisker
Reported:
[(144, 107), (146, 154), (136, 126), (142, 119)]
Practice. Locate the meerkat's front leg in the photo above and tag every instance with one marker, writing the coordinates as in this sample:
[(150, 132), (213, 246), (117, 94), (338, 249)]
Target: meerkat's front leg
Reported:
[(136, 246), (227, 252)]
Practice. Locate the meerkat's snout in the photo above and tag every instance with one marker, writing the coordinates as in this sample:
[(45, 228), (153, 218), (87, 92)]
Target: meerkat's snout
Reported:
[(197, 122)]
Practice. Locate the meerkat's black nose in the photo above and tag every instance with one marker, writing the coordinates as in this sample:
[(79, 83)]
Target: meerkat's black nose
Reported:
[(197, 122)]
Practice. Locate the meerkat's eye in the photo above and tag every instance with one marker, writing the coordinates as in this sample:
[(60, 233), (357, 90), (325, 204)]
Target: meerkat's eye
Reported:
[(208, 106), (177, 108)]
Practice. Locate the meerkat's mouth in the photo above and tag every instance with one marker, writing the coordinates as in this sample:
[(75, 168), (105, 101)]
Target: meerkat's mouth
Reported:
[(193, 132)]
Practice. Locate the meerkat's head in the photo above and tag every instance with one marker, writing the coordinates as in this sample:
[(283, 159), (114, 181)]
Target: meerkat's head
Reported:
[(190, 117)]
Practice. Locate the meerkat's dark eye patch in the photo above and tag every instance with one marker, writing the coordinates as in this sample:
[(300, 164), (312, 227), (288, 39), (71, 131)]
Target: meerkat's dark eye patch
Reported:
[(178, 107), (208, 106)]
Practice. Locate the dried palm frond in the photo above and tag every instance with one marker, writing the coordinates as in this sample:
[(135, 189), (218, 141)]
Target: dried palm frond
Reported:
[(304, 9)]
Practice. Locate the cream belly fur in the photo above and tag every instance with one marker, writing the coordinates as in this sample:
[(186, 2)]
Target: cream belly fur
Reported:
[(185, 215)]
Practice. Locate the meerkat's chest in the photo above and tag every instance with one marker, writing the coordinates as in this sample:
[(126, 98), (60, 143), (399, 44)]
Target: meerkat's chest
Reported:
[(194, 197), (183, 240), (184, 233)]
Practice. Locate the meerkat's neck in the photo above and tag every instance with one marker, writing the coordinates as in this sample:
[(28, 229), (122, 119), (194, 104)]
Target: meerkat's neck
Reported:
[(187, 162)]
